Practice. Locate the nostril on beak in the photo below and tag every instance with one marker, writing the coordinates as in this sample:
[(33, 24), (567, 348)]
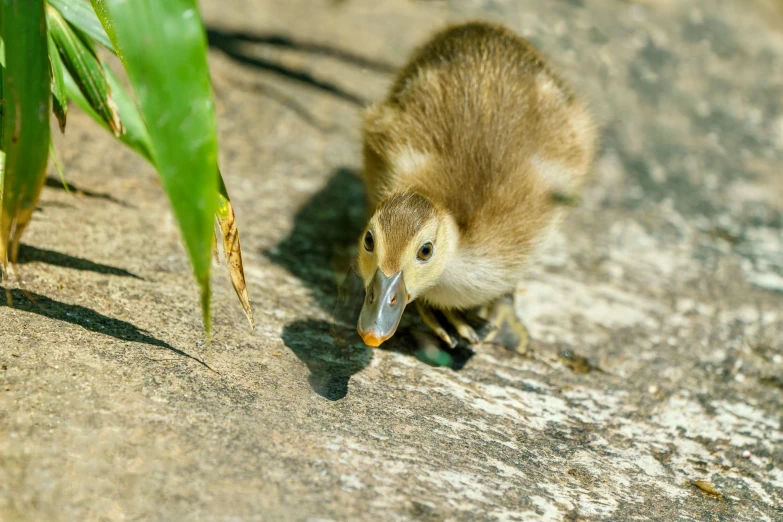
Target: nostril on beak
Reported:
[(372, 296), (393, 300)]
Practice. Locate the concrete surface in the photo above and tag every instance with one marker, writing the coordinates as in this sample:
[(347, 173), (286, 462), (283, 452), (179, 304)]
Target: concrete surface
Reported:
[(668, 280)]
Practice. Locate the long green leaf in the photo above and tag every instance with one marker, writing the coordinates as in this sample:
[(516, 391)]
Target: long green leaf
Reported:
[(26, 93), (53, 155), (81, 15), (74, 94), (163, 48), (137, 138), (136, 135), (2, 105), (82, 63), (2, 151), (59, 101), (102, 13)]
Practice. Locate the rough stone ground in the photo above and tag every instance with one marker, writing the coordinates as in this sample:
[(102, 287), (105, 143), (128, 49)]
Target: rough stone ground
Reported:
[(668, 279)]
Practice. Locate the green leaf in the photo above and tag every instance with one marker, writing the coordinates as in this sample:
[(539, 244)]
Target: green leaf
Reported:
[(103, 16), (135, 136), (164, 50), (82, 16), (2, 105), (60, 103), (59, 168), (82, 63), (26, 93), (74, 94)]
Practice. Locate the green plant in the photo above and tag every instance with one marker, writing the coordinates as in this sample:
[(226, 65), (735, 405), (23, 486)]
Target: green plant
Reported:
[(49, 56)]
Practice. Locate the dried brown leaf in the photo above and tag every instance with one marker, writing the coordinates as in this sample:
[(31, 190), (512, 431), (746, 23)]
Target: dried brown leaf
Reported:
[(233, 251)]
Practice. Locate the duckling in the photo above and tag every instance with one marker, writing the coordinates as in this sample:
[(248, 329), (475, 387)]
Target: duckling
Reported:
[(466, 164)]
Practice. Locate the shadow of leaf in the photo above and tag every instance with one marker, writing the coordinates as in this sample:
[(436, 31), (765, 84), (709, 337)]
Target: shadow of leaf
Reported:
[(56, 183), (287, 42), (31, 254), (86, 318), (232, 45), (289, 102)]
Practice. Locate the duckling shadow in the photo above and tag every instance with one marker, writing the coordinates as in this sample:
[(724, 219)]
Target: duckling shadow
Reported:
[(316, 250), (331, 364), (319, 247), (324, 233), (332, 360)]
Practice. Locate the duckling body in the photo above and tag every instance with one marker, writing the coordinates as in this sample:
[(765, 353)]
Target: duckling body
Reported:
[(467, 153)]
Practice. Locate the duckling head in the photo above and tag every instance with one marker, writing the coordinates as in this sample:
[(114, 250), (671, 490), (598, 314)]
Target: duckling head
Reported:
[(402, 253)]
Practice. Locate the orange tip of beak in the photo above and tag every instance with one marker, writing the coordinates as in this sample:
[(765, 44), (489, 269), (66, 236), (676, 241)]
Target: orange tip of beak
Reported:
[(372, 340)]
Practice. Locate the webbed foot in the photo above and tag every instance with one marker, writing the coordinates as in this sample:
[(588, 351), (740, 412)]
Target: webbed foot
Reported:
[(496, 323), (450, 325), (428, 316), (509, 331), (460, 323)]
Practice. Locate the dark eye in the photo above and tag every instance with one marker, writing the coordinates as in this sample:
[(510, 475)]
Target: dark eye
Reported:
[(425, 252), (369, 242)]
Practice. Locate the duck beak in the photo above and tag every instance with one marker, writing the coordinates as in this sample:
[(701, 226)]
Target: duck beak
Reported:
[(384, 302)]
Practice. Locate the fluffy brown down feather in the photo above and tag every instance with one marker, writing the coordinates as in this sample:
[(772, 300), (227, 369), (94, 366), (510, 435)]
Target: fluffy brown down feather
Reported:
[(480, 126)]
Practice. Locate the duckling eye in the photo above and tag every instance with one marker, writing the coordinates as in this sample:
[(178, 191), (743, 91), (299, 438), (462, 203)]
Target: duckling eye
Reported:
[(425, 251), (369, 242)]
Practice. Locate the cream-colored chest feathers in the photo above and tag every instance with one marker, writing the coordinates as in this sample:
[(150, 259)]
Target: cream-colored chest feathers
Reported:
[(475, 277), (471, 280)]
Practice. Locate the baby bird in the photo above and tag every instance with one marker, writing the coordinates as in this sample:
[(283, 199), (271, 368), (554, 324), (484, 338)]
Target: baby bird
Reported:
[(466, 166)]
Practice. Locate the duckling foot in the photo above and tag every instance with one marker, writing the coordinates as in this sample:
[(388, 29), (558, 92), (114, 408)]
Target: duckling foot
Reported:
[(463, 328), (428, 316), (451, 325), (509, 332)]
